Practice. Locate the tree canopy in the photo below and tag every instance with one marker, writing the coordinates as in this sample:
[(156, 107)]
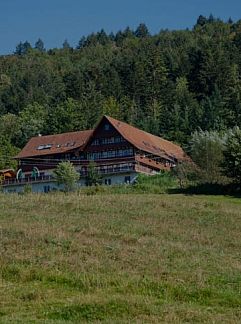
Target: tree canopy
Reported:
[(171, 83), (66, 175)]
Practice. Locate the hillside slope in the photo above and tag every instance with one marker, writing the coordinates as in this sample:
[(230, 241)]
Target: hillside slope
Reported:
[(119, 258)]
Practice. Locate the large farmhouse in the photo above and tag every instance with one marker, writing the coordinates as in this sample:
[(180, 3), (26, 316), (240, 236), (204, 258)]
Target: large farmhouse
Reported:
[(120, 151)]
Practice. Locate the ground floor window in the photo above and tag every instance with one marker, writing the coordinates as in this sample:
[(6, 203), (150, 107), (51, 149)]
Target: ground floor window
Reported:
[(46, 189), (127, 179), (108, 182)]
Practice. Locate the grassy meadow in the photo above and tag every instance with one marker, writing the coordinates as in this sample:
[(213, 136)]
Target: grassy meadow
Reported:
[(120, 258)]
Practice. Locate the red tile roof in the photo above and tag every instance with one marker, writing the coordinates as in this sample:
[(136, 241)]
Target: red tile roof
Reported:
[(67, 142), (152, 163), (60, 143), (147, 142)]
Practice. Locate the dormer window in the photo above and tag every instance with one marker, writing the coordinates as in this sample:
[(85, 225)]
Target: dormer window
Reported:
[(40, 147), (44, 147)]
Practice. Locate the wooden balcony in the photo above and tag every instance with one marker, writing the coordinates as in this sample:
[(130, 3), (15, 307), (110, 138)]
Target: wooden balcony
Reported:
[(110, 169), (103, 169), (27, 180)]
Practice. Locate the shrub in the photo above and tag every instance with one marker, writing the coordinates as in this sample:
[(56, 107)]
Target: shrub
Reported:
[(66, 175), (206, 150), (27, 189), (232, 155), (93, 177)]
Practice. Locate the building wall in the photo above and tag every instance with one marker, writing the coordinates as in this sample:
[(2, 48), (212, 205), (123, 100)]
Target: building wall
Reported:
[(37, 187), (117, 179), (47, 186), (115, 158)]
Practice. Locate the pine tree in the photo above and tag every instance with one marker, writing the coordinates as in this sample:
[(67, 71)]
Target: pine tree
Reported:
[(39, 45), (26, 47), (19, 49), (142, 31), (201, 21), (82, 43), (66, 45)]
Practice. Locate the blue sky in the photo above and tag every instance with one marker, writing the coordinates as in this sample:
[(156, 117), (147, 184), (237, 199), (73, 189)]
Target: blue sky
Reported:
[(55, 20)]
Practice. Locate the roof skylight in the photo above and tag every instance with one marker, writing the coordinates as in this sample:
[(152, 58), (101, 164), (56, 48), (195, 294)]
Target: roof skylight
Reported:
[(44, 147)]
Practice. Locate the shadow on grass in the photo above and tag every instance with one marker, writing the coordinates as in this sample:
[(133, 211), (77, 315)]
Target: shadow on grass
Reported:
[(209, 189)]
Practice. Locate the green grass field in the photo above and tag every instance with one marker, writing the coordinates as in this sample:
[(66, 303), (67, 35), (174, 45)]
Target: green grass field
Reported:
[(126, 258)]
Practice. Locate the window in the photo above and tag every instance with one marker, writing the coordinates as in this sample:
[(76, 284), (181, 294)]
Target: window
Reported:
[(96, 141), (46, 189), (44, 146), (126, 152), (104, 141), (127, 179), (109, 154), (106, 127), (108, 140), (108, 182), (104, 154), (111, 140)]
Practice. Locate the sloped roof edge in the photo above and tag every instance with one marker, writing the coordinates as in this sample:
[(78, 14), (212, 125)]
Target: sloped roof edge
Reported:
[(148, 142), (60, 143)]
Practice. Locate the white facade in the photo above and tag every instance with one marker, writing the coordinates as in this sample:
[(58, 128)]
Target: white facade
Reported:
[(46, 184)]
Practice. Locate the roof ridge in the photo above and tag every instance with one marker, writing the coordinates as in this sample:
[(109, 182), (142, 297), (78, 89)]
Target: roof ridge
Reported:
[(146, 141), (62, 134), (143, 131)]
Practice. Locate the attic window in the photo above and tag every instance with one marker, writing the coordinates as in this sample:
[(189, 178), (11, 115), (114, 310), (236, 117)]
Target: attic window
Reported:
[(44, 147), (106, 127)]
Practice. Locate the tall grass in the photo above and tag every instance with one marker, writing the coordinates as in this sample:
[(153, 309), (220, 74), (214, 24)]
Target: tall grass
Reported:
[(123, 258), (156, 184)]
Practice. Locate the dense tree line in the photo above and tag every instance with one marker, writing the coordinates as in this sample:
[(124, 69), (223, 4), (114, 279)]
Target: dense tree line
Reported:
[(171, 84)]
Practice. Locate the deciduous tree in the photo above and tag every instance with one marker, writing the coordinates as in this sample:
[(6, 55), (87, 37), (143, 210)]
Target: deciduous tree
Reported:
[(66, 175)]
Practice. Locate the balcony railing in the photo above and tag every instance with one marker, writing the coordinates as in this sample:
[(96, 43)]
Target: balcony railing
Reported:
[(102, 170), (44, 178), (110, 170)]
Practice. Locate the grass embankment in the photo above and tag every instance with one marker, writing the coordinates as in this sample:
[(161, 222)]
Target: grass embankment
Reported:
[(156, 184), (119, 258)]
